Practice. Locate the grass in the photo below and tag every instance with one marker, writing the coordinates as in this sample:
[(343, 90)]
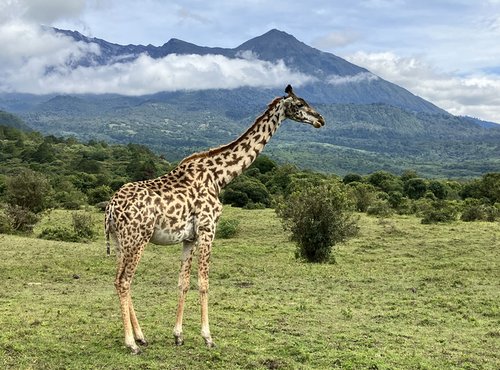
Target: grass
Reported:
[(401, 296)]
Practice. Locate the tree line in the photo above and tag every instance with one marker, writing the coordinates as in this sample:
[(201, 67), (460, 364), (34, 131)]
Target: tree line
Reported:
[(42, 172)]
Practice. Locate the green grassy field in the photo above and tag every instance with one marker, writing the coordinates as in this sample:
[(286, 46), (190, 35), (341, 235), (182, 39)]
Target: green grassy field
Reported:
[(401, 296)]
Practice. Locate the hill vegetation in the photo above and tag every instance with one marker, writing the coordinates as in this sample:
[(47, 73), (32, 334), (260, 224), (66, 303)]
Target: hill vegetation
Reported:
[(41, 172), (356, 138)]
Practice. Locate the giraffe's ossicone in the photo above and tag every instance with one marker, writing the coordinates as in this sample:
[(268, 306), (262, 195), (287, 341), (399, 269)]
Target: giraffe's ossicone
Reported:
[(183, 206)]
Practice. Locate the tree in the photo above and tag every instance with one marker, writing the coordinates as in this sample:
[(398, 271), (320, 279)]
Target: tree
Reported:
[(29, 190), (141, 169), (363, 194), (439, 189), (264, 164), (415, 188), (352, 177), (245, 189), (490, 184), (318, 217), (27, 194), (44, 153)]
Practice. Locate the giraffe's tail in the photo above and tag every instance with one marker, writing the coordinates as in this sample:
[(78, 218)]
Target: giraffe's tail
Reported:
[(108, 221), (108, 245)]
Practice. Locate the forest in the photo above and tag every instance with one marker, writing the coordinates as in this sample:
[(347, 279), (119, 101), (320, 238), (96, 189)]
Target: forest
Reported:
[(38, 173)]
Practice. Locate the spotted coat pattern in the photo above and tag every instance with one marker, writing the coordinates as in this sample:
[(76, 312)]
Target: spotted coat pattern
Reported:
[(183, 206)]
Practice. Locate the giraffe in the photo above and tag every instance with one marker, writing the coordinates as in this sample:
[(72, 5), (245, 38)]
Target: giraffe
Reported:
[(183, 206)]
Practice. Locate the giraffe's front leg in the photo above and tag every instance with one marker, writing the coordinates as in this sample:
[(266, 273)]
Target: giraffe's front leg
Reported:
[(184, 283), (203, 268)]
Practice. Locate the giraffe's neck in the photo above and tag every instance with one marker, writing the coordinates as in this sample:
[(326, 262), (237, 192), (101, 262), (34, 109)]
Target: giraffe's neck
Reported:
[(229, 161)]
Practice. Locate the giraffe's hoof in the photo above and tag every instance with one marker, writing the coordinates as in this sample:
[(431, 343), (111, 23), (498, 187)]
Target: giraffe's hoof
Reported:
[(209, 343), (135, 350), (179, 341), (142, 342)]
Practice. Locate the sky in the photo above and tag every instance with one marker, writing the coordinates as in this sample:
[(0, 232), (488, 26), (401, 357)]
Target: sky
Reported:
[(445, 51)]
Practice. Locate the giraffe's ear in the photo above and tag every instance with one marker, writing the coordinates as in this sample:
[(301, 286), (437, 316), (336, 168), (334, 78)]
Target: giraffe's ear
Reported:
[(289, 90)]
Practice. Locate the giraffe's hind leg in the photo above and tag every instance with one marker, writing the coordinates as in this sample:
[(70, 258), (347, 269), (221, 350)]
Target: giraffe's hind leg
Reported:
[(125, 273), (184, 282)]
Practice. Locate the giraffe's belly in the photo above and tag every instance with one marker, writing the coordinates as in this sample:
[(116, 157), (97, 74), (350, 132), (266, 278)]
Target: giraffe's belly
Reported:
[(164, 236)]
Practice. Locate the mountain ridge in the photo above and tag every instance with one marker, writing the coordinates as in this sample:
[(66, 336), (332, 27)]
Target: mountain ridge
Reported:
[(355, 85)]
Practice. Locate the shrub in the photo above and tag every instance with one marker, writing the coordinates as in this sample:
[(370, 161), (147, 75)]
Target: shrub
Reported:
[(29, 190), (66, 195), (252, 205), (364, 195), (99, 194), (83, 226), (5, 227), (475, 210), (82, 231), (58, 233), (415, 188), (21, 218), (246, 189), (381, 208), (441, 211), (318, 217), (227, 229)]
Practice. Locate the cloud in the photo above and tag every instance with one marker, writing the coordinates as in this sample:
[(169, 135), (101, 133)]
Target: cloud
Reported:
[(41, 61), (146, 75), (37, 60), (476, 94), (43, 11), (29, 51), (357, 78)]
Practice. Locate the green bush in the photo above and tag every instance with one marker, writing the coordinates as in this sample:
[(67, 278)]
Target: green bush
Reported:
[(318, 217), (415, 188), (441, 211), (245, 189), (20, 218), (475, 210), (58, 233), (364, 195), (99, 194), (81, 232), (380, 207), (29, 190), (83, 226), (227, 229), (5, 227)]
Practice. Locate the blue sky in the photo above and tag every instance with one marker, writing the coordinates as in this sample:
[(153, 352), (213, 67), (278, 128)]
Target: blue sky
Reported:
[(445, 51)]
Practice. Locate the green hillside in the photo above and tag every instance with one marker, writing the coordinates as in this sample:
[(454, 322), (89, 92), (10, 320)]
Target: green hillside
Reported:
[(356, 138)]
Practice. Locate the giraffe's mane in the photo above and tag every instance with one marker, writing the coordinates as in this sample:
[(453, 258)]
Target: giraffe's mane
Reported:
[(215, 151)]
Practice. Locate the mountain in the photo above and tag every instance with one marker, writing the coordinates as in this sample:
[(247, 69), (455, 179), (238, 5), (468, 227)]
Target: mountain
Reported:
[(337, 80), (372, 124)]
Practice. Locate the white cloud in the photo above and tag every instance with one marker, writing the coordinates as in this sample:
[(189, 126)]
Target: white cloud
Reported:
[(41, 61), (29, 52), (476, 95), (357, 78), (42, 11), (37, 60)]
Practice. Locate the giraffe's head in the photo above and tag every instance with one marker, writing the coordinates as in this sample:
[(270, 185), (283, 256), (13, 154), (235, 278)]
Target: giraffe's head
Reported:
[(298, 110)]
